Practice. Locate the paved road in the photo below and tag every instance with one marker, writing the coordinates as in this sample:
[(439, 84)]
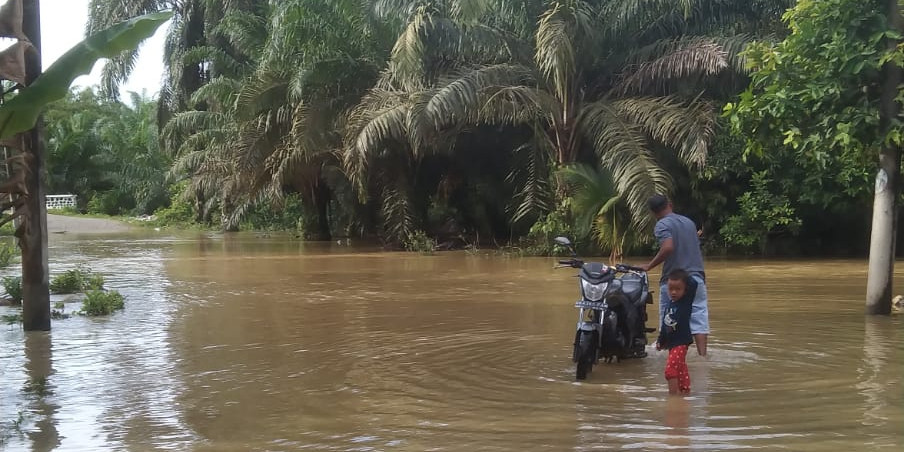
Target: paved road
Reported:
[(58, 224)]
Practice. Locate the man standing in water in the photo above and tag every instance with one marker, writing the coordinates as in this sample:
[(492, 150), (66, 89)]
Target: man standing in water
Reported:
[(679, 248)]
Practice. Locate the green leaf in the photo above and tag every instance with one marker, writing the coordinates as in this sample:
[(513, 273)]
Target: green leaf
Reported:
[(22, 111)]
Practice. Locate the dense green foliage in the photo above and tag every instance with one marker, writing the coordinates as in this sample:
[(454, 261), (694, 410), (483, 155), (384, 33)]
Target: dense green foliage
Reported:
[(459, 121), (106, 153), (810, 118)]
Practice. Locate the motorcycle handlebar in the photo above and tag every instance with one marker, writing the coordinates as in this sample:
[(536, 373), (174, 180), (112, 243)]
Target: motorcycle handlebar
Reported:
[(573, 263)]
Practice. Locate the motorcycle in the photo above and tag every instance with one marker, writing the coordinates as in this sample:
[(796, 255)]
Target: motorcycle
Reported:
[(612, 312)]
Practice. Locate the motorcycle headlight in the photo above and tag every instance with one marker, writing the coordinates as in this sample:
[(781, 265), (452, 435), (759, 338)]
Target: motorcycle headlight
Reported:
[(593, 292)]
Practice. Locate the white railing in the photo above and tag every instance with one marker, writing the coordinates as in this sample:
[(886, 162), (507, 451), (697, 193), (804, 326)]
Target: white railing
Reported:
[(60, 201)]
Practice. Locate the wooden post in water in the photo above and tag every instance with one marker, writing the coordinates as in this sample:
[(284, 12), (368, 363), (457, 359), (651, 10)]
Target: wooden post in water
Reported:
[(885, 204), (33, 239)]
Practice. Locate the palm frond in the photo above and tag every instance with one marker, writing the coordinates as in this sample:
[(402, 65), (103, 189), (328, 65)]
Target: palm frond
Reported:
[(397, 212), (530, 176), (221, 61), (463, 98), (556, 50), (624, 152), (265, 91), (469, 11), (680, 58), (519, 105), (687, 127), (592, 193), (220, 93), (381, 115), (407, 60)]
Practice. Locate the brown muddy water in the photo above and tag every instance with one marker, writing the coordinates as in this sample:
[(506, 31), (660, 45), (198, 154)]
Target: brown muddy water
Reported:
[(263, 343)]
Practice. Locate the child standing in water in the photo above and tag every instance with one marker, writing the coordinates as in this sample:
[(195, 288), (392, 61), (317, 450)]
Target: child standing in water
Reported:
[(675, 330)]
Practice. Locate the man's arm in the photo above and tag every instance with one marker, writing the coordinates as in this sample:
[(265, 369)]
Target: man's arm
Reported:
[(666, 248)]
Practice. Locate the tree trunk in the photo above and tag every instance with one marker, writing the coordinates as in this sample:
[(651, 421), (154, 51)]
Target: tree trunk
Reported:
[(322, 199), (33, 240), (885, 205)]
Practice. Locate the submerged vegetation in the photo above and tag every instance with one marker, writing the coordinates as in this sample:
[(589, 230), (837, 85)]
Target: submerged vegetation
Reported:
[(76, 280), (459, 121), (99, 303), (12, 286)]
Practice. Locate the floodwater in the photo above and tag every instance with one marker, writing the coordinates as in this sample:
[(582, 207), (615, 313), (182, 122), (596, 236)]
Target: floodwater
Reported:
[(262, 343)]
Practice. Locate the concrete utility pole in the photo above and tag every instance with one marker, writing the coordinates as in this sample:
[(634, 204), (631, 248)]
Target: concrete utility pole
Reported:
[(885, 205), (33, 240)]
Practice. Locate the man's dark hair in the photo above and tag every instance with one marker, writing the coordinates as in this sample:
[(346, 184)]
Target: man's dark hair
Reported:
[(678, 275), (657, 203)]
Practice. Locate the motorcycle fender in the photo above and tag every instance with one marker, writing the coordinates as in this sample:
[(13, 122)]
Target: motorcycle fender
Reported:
[(586, 326)]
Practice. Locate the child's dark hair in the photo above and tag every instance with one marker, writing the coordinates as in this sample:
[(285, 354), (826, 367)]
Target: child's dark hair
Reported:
[(678, 275)]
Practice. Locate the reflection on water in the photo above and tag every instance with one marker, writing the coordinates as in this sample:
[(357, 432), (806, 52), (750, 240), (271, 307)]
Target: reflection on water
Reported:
[(239, 342), (38, 369)]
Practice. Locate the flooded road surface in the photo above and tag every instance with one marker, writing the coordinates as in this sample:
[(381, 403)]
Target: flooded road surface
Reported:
[(247, 343)]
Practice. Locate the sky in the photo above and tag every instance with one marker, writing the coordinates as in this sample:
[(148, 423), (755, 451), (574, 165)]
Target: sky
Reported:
[(63, 25)]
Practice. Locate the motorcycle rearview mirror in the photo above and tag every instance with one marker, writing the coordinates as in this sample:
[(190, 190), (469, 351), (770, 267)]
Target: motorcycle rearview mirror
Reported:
[(563, 241)]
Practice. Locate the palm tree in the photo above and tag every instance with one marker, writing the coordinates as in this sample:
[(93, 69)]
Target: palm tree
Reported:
[(623, 84), (388, 135), (193, 31), (581, 94), (273, 128)]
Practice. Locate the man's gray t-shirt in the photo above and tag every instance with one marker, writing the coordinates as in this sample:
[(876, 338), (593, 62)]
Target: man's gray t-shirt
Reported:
[(687, 255)]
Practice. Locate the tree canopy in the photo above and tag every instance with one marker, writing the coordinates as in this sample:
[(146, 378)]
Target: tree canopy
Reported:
[(506, 119)]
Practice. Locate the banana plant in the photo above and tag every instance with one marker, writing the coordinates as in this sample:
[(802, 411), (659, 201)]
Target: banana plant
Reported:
[(21, 112)]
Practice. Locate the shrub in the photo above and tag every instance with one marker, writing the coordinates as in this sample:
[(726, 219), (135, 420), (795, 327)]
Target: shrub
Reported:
[(419, 242), (762, 214), (13, 287), (178, 211), (8, 253), (539, 241), (102, 303), (112, 202), (287, 215)]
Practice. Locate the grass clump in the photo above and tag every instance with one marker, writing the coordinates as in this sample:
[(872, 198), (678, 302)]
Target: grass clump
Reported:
[(76, 280), (102, 303), (13, 287)]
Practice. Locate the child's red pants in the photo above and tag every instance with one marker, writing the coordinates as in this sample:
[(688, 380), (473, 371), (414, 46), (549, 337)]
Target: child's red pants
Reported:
[(676, 367)]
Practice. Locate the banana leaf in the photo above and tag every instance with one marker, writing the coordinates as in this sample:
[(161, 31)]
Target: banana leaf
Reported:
[(21, 112)]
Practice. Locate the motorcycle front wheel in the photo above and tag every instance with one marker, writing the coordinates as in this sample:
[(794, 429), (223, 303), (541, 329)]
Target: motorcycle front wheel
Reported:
[(586, 354)]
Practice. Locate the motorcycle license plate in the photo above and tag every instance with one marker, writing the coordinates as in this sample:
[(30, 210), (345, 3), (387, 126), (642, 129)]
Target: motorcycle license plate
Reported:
[(591, 304)]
